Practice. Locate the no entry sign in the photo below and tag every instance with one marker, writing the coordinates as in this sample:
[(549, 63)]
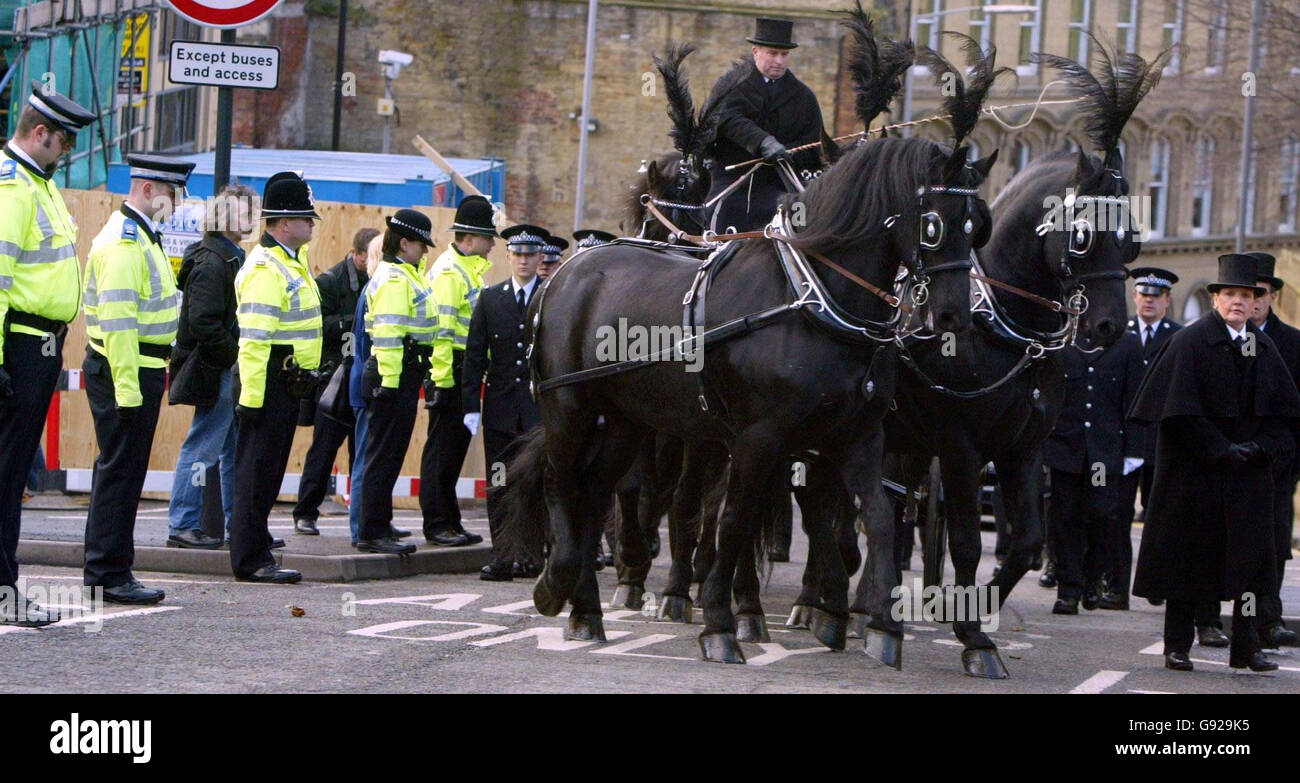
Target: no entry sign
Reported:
[(223, 13)]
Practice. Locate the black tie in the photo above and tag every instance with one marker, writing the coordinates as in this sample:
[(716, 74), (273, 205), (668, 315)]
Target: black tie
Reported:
[(1150, 331), (523, 303)]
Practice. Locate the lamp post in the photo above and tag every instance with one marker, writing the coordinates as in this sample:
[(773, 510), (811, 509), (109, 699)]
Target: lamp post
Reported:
[(580, 198), (934, 17), (1248, 133)]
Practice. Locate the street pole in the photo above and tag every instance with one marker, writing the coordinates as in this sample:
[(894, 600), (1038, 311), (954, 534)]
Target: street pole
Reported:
[(1248, 129), (388, 120), (225, 117), (580, 200), (338, 74)]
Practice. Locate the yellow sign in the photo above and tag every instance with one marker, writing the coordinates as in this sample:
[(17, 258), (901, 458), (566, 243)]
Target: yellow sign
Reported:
[(133, 71)]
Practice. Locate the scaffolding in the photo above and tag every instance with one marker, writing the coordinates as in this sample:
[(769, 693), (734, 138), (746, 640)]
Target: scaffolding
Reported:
[(77, 46)]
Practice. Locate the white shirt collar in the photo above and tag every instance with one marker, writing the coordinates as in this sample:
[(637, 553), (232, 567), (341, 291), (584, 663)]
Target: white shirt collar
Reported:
[(1142, 325), (140, 215), (1233, 334), (15, 150), (514, 287)]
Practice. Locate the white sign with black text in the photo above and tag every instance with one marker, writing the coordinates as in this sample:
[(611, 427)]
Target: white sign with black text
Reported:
[(224, 65)]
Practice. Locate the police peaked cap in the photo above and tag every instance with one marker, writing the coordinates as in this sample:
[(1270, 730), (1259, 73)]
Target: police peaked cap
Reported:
[(1152, 280), (474, 216), (524, 238), (554, 248), (411, 224), (158, 168), (287, 195), (592, 237), (63, 112)]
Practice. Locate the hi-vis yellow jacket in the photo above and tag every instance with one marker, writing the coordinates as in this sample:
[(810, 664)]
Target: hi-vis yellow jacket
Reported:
[(130, 299), (39, 271), (398, 303), (279, 304), (457, 280)]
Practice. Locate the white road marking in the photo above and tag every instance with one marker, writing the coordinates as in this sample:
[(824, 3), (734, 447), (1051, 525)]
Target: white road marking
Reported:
[(773, 652), (548, 638), (1158, 649), (1099, 681), (626, 648), (1138, 690), (94, 618), (386, 630), (448, 601)]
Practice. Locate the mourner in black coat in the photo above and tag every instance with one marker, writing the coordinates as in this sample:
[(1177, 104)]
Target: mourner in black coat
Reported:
[(1223, 412), (1273, 630), (496, 365), (1086, 453), (761, 117), (207, 333)]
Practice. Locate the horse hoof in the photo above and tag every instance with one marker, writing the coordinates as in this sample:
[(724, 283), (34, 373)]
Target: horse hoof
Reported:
[(628, 596), (984, 663), (830, 629), (676, 609), (800, 617), (585, 628), (721, 647), (884, 647), (752, 628), (858, 625), (546, 601), (654, 547)]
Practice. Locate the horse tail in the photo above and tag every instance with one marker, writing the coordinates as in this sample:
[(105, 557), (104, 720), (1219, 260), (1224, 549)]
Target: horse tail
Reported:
[(525, 521)]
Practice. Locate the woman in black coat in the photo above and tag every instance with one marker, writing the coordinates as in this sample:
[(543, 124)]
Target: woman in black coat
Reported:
[(1223, 403)]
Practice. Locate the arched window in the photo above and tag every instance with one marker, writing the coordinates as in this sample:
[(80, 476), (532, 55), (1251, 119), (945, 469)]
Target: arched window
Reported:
[(1196, 305), (1019, 158), (1287, 180), (1158, 187), (1080, 26), (1202, 186)]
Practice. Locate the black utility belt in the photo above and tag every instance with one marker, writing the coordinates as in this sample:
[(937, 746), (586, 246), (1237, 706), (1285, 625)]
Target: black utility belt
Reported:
[(152, 350), (57, 328)]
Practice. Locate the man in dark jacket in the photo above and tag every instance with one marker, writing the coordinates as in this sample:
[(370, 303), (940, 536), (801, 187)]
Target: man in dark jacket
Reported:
[(1088, 452), (765, 111), (207, 345), (1223, 404), (340, 287), (1273, 631)]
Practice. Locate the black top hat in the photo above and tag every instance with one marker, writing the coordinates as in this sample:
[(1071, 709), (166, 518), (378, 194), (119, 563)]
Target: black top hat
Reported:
[(1152, 280), (411, 224), (554, 249), (158, 168), (524, 238), (1265, 264), (592, 237), (776, 33), (63, 112), (1236, 270), (287, 195), (474, 216)]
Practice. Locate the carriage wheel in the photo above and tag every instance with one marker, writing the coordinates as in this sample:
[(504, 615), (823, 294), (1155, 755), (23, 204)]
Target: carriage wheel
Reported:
[(935, 531)]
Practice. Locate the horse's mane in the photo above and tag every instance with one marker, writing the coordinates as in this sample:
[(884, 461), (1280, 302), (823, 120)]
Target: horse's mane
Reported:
[(848, 204), (1110, 90), (964, 97)]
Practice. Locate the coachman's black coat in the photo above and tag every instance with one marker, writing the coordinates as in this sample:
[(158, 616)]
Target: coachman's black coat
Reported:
[(1208, 532), (752, 111), (1141, 434)]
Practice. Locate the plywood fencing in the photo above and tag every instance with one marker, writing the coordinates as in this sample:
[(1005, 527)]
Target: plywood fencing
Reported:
[(331, 241)]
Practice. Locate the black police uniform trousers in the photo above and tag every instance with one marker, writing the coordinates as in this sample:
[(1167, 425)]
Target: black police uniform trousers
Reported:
[(392, 420), (327, 436), (33, 364), (261, 455), (1270, 611), (1080, 516), (120, 469), (1183, 617), (443, 456), (1119, 535)]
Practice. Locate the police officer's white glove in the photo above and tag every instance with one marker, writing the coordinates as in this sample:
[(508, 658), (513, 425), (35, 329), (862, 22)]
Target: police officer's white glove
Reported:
[(1131, 464), (471, 422)]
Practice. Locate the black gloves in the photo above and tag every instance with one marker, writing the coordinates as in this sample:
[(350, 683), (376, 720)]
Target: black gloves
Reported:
[(1242, 454), (772, 150), (382, 392), (248, 416), (438, 399), (6, 384)]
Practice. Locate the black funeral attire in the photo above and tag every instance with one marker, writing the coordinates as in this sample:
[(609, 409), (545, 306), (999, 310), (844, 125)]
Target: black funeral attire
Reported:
[(1085, 453), (755, 114), (496, 364), (1287, 339), (340, 288), (1208, 529)]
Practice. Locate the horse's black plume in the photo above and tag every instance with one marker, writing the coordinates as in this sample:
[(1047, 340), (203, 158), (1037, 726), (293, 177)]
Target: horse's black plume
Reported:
[(681, 108), (964, 98), (876, 66), (1111, 90)]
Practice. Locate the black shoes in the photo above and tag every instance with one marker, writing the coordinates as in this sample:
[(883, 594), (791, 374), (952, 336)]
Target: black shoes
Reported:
[(133, 593), (473, 538), (1178, 661), (1257, 663), (448, 538), (496, 572), (1209, 636), (277, 543), (780, 555), (1066, 606), (1091, 597), (305, 527), (28, 614), (1112, 600), (527, 570), (1278, 636), (398, 533), (1048, 577), (193, 539), (274, 575), (385, 546)]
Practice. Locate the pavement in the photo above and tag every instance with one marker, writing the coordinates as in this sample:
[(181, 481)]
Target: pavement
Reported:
[(454, 633)]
